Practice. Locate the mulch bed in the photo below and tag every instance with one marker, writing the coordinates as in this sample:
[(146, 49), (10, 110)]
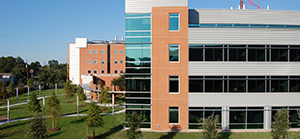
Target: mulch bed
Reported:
[(69, 101), (91, 137), (81, 106), (3, 118), (53, 130), (105, 109)]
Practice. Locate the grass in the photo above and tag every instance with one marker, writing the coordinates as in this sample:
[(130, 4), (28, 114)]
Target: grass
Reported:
[(74, 127), (21, 111)]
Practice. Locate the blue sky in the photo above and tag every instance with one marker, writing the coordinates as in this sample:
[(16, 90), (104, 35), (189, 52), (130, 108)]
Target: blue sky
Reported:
[(38, 30)]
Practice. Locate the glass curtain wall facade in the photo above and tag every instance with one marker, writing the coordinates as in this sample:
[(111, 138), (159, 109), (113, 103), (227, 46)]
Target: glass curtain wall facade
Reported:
[(138, 66)]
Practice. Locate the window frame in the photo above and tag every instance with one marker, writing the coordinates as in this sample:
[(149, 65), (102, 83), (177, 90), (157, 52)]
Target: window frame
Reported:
[(102, 51), (95, 51), (116, 51), (89, 61), (89, 51), (95, 61), (116, 61)]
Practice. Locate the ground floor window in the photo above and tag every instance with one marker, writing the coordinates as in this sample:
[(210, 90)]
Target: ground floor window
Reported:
[(246, 118), (146, 114), (197, 115), (173, 115), (292, 116)]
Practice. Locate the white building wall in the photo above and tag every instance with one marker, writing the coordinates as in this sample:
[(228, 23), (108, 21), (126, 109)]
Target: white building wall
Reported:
[(145, 6), (74, 65)]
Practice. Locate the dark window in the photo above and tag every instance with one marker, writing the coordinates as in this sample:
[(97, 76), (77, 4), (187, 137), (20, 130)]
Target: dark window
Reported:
[(256, 53), (102, 71), (256, 84), (95, 71), (173, 115), (279, 53), (121, 71), (237, 84), (295, 53), (214, 84), (173, 84), (295, 85), (213, 54), (195, 54), (279, 84), (237, 53), (138, 84), (195, 85), (89, 71), (116, 71)]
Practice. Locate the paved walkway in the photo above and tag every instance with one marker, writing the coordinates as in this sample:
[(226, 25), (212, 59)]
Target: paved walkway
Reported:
[(88, 100)]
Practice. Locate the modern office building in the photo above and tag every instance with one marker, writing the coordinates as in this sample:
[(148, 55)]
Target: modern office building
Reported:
[(185, 64), (90, 61)]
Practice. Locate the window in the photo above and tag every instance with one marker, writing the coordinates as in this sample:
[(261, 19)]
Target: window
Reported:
[(237, 53), (138, 84), (173, 115), (102, 51), (214, 84), (256, 84), (95, 71), (89, 71), (173, 84), (116, 71), (199, 113), (89, 51), (89, 61), (295, 53), (173, 53), (102, 61), (196, 54), (246, 118), (295, 84), (95, 61), (237, 84), (121, 71), (256, 53), (116, 61), (174, 22), (279, 53), (116, 51), (213, 54), (121, 52), (95, 51), (102, 71), (279, 84), (196, 84), (121, 61)]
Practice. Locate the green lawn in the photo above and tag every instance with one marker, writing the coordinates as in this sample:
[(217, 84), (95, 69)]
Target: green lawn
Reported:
[(76, 129), (21, 111)]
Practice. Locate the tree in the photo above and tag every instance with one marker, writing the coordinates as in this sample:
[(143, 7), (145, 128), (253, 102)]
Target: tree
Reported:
[(134, 122), (30, 83), (34, 104), (3, 90), (53, 63), (69, 90), (94, 118), (11, 89), (120, 82), (36, 128), (281, 125), (20, 86), (47, 77), (53, 109), (81, 95), (104, 95), (100, 83), (210, 127)]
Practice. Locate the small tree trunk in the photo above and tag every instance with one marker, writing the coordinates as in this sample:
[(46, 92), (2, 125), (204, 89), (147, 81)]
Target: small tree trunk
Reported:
[(93, 131), (52, 119)]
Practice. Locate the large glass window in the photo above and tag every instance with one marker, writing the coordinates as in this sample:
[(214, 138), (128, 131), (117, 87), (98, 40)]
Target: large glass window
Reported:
[(279, 84), (173, 53), (95, 51), (246, 118), (292, 115), (173, 115), (213, 54), (196, 54), (138, 84), (196, 84), (138, 55), (295, 84), (279, 53), (237, 84), (237, 53), (294, 53), (197, 114), (256, 53), (173, 84), (256, 84), (214, 84), (174, 22), (138, 23)]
